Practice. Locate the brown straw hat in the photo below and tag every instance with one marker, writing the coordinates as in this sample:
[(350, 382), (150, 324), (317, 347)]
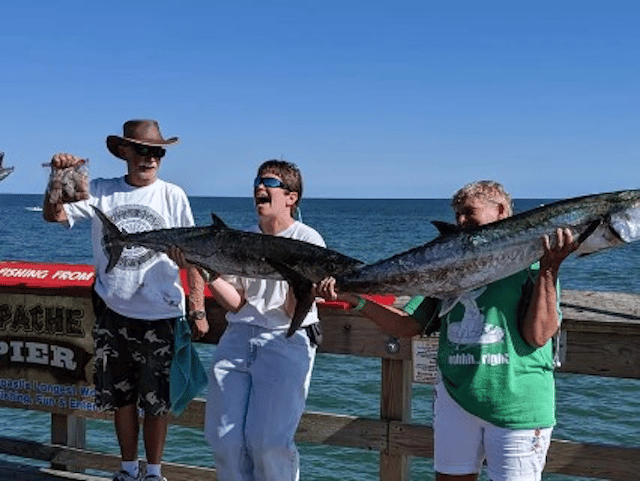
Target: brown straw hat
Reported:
[(145, 132)]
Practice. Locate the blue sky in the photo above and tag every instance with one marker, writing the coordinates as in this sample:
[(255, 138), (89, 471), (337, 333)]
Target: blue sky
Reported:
[(382, 99)]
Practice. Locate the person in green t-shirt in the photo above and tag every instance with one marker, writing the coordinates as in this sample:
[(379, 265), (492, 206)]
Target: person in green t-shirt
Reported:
[(495, 398)]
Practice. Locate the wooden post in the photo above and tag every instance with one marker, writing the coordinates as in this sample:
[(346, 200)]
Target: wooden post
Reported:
[(395, 405), (68, 431)]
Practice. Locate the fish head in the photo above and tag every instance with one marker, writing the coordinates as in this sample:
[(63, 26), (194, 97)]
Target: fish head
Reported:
[(620, 226), (626, 223)]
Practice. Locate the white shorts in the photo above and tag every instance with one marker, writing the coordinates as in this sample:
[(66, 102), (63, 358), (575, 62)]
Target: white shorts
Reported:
[(463, 441)]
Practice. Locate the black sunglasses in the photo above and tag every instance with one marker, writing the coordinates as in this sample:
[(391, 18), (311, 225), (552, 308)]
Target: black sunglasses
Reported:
[(269, 182), (148, 151)]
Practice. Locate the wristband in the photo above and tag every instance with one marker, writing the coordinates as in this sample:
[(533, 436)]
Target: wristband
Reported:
[(360, 305)]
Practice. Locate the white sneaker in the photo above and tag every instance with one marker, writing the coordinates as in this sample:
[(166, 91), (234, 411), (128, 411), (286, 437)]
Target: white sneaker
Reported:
[(154, 477), (123, 475)]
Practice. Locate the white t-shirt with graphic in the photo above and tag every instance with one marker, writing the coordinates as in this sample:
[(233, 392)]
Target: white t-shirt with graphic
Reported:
[(144, 284)]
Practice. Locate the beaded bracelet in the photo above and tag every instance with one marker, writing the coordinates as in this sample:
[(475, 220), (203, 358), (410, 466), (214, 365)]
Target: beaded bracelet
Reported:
[(361, 302)]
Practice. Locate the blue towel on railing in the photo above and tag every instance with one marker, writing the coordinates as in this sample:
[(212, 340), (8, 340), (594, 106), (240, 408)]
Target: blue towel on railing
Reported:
[(187, 376)]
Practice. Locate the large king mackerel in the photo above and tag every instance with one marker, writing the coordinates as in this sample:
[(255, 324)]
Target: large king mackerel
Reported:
[(459, 261), (224, 250)]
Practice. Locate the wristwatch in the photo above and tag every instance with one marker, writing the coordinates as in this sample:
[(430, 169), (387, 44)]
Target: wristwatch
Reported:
[(197, 315)]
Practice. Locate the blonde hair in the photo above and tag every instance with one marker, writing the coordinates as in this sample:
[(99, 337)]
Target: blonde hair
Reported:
[(487, 189)]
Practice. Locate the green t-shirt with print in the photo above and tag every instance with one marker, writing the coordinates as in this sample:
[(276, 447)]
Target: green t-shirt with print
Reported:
[(486, 365)]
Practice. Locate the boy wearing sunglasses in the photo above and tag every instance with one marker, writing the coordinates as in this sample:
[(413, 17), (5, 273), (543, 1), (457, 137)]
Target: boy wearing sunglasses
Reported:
[(259, 378), (138, 302)]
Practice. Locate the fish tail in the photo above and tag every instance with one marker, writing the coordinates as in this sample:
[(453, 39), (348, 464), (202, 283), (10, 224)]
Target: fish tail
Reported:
[(302, 290), (112, 239), (304, 300)]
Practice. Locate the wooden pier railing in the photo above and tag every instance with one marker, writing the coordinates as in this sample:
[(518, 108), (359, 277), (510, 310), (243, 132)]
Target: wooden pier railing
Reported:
[(600, 336)]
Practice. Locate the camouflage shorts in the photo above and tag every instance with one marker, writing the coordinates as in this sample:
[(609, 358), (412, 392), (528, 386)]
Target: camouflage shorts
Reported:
[(132, 362)]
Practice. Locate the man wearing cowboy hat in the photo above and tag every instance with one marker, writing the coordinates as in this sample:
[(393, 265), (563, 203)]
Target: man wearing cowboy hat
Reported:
[(138, 302)]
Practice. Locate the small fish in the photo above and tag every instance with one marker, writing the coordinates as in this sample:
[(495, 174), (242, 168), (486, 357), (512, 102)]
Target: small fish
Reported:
[(4, 171), (462, 260), (224, 250)]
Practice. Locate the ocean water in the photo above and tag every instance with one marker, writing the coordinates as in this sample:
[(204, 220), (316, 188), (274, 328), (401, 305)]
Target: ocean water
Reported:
[(590, 409)]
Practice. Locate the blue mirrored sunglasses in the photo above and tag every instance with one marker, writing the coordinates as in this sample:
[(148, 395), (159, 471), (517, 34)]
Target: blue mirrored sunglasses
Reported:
[(271, 182)]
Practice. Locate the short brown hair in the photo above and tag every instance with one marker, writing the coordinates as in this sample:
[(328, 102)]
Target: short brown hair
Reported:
[(487, 189), (287, 171)]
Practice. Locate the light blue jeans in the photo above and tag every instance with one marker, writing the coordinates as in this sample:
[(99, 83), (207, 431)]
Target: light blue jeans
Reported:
[(258, 387)]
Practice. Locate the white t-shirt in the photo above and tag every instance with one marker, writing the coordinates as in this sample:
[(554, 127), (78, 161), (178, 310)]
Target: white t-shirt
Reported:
[(266, 297), (144, 284)]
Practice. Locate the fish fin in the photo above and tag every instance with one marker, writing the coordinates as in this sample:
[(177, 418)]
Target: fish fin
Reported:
[(217, 222), (302, 290), (431, 306), (580, 250), (580, 254), (446, 228), (112, 239), (589, 230), (448, 304)]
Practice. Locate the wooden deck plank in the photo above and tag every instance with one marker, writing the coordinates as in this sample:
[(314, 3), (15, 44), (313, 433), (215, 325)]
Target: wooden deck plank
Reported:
[(12, 471)]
